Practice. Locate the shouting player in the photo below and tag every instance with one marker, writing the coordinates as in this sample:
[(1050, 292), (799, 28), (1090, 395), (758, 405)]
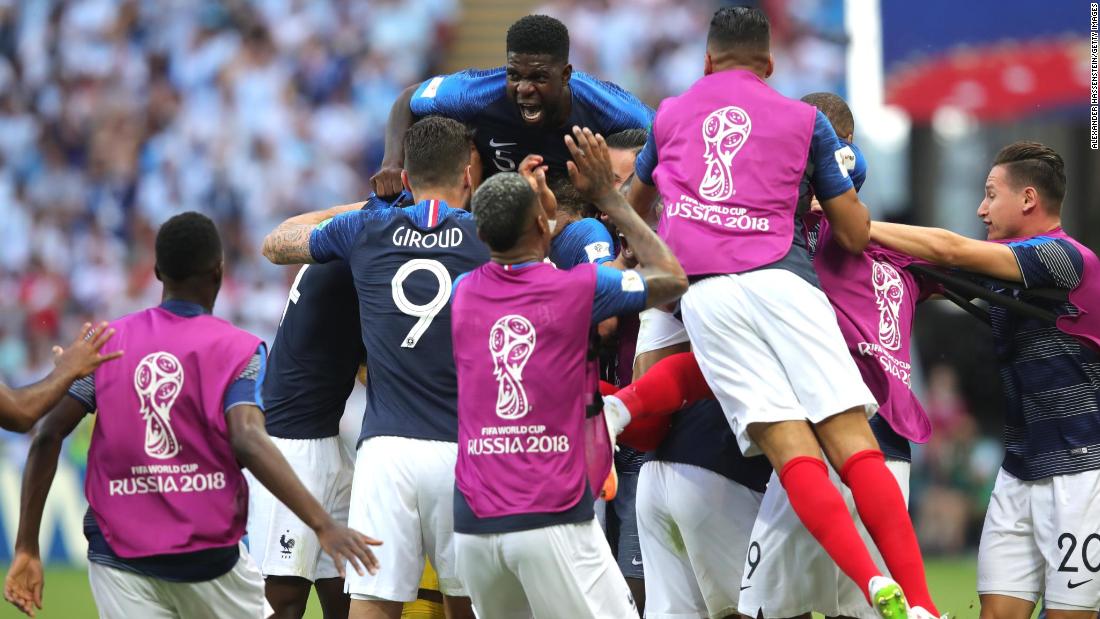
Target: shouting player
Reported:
[(177, 417), (525, 107), (730, 160), (1042, 530), (403, 262), (526, 538), (310, 374), (21, 408)]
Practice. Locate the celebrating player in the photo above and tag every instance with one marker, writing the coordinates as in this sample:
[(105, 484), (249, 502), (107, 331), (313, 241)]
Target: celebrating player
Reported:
[(522, 108), (403, 262), (21, 408), (177, 417), (526, 539), (730, 160), (1042, 531), (310, 374)]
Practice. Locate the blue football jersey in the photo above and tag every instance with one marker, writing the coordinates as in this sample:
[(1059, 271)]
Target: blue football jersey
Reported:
[(478, 98), (316, 352), (403, 263)]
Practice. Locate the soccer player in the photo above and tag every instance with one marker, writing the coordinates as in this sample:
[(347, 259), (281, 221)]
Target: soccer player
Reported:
[(21, 408), (578, 237), (311, 371), (729, 158), (527, 542), (1042, 530), (403, 262), (177, 417), (525, 107)]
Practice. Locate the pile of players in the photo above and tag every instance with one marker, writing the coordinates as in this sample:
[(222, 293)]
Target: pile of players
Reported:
[(755, 351)]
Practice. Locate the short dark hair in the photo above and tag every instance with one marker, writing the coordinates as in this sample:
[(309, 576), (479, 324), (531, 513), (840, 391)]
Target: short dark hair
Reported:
[(740, 29), (569, 199), (631, 139), (836, 110), (437, 150), (539, 34), (188, 245), (1036, 165), (502, 208)]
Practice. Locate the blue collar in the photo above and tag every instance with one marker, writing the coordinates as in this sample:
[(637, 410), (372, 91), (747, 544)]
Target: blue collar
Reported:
[(187, 309)]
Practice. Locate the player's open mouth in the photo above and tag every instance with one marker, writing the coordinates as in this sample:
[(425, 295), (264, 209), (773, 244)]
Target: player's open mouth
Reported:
[(530, 113)]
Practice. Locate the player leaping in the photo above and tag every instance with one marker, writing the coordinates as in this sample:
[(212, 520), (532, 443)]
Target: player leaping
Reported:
[(730, 160), (403, 262), (1042, 531), (525, 107)]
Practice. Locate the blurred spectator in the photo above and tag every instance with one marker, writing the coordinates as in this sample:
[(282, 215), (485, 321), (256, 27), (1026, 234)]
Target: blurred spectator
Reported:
[(117, 114)]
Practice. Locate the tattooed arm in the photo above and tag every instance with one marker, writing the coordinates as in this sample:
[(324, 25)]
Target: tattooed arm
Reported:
[(289, 242)]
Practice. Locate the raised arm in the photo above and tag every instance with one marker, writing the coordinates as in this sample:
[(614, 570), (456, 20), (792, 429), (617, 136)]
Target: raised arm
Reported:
[(256, 452), (288, 243), (946, 248), (387, 182), (23, 584), (849, 221), (21, 408), (591, 173)]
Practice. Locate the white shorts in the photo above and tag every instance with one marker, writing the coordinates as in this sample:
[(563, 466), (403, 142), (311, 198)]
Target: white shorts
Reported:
[(403, 494), (564, 570), (658, 329), (788, 573), (124, 595), (279, 541), (1043, 537), (694, 526), (770, 348)]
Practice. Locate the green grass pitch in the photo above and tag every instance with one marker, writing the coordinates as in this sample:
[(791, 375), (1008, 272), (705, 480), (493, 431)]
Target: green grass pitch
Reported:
[(67, 595)]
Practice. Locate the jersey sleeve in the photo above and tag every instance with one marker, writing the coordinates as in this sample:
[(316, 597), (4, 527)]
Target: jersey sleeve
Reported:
[(646, 161), (598, 246), (246, 388), (1049, 263), (830, 174), (617, 292), (616, 109), (459, 95), (83, 391), (332, 239)]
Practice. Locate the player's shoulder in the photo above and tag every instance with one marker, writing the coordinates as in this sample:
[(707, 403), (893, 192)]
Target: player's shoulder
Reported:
[(616, 108), (461, 94), (1055, 247)]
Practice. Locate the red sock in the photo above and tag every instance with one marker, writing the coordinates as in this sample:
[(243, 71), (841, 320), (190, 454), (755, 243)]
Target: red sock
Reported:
[(882, 509), (822, 511), (668, 386)]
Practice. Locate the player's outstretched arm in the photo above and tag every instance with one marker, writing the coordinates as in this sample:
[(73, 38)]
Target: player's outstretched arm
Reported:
[(387, 181), (24, 582), (849, 220), (946, 248), (256, 452), (591, 173), (21, 408), (288, 243)]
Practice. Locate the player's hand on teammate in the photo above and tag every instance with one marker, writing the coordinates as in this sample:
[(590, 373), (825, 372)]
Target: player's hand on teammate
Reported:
[(590, 169), (533, 171), (82, 357), (345, 544), (387, 181), (23, 584)]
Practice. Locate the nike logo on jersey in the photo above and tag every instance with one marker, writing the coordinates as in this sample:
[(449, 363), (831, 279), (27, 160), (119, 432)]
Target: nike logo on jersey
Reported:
[(636, 560), (745, 587), (1074, 585), (494, 144)]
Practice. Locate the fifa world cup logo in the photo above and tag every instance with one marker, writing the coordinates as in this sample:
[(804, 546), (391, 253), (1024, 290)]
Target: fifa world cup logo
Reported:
[(725, 131), (889, 292), (158, 380), (511, 342)]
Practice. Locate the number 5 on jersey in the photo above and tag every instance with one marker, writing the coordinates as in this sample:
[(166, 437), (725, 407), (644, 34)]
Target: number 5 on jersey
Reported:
[(427, 312)]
